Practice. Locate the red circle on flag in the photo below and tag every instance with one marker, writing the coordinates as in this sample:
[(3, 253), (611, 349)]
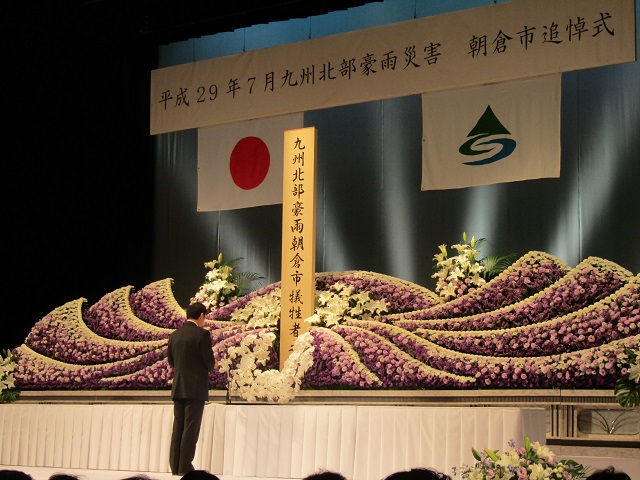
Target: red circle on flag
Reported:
[(249, 162)]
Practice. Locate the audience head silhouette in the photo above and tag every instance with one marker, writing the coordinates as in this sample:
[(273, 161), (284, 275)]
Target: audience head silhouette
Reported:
[(608, 473), (418, 474), (14, 475), (199, 475), (139, 476), (63, 476), (325, 475)]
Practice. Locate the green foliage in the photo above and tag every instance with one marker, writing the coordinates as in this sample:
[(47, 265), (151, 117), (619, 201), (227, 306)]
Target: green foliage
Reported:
[(247, 282), (476, 454), (627, 387), (493, 264)]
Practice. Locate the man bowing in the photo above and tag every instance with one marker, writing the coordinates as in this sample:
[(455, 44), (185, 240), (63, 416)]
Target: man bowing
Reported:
[(191, 356)]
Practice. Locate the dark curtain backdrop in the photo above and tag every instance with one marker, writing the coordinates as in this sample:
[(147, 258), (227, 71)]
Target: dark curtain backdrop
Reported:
[(78, 162), (371, 213)]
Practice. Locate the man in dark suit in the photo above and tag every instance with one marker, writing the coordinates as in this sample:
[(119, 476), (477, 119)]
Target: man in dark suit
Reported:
[(191, 356)]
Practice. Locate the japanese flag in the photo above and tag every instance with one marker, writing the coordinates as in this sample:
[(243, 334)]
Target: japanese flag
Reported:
[(240, 164)]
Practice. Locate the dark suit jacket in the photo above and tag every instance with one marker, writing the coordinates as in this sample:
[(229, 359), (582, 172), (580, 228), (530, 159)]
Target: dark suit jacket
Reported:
[(191, 356)]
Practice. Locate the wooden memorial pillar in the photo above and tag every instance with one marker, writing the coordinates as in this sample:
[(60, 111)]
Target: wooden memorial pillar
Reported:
[(298, 236)]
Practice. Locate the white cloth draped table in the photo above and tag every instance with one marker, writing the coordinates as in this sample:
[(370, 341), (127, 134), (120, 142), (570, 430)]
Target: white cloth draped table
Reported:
[(285, 441)]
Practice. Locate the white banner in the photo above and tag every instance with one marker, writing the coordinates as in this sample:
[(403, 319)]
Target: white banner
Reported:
[(507, 41), (496, 133), (240, 164)]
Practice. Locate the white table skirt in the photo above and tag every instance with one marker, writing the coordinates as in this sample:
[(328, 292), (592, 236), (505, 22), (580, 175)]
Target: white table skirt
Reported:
[(286, 441)]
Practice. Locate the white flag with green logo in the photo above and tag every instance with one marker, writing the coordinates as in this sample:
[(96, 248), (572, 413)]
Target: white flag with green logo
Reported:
[(503, 132)]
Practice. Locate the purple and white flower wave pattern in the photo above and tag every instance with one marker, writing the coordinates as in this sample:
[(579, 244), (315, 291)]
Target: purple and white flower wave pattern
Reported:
[(539, 324)]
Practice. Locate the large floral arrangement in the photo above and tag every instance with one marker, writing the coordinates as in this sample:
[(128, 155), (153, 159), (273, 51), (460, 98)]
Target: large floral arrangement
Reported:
[(538, 324), (334, 306), (531, 462), (534, 297), (627, 387), (8, 391), (243, 364)]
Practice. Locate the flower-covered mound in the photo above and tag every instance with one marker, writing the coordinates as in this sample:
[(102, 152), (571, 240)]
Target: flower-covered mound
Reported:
[(539, 324)]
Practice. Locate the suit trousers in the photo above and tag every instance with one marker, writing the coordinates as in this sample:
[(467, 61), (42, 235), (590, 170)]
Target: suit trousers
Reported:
[(187, 417)]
